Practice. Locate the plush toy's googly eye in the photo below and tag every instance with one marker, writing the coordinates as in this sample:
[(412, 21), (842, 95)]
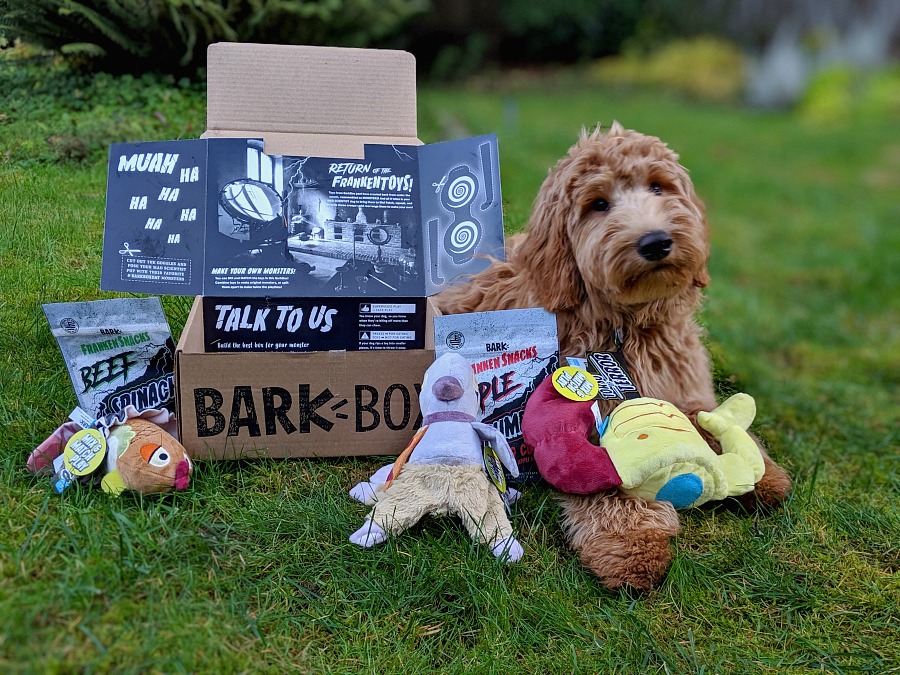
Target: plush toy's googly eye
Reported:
[(156, 455), (160, 458)]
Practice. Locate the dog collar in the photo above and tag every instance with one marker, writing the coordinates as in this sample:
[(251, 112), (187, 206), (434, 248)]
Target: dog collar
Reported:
[(448, 416)]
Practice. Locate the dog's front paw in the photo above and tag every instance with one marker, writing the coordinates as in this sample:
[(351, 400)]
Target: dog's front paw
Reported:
[(624, 541), (636, 561)]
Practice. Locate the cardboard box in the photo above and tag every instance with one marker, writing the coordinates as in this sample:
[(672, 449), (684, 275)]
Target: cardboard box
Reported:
[(322, 404), (322, 102)]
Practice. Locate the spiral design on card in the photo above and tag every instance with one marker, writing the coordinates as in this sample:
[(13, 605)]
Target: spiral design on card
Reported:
[(461, 191), (462, 238)]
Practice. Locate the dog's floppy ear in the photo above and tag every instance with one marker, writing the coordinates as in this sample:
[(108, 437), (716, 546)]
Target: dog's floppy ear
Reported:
[(684, 188), (701, 278), (546, 252)]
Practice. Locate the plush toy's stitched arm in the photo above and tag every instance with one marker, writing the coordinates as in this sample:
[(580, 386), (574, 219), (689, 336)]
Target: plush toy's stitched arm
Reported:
[(557, 429), (501, 446)]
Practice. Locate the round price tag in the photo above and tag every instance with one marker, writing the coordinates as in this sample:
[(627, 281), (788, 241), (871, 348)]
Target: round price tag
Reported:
[(575, 383), (84, 452)]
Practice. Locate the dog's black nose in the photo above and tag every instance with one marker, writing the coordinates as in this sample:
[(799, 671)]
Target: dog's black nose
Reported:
[(654, 245)]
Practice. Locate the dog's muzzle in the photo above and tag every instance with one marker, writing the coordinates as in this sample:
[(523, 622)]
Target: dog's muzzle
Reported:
[(655, 245)]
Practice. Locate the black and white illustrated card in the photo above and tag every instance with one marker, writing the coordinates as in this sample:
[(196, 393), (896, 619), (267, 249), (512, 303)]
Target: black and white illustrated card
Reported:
[(221, 217)]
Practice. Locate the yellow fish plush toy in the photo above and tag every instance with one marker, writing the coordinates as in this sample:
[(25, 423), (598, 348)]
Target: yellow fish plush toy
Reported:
[(660, 455)]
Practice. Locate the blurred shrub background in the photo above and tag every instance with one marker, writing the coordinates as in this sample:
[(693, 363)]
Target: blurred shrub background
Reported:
[(770, 53)]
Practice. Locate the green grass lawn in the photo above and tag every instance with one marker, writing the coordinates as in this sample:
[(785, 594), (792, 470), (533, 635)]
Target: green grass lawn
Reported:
[(251, 570)]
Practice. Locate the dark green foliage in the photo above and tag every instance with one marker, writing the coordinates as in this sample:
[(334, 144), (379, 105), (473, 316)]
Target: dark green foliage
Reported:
[(460, 37), (73, 116), (171, 35), (565, 30)]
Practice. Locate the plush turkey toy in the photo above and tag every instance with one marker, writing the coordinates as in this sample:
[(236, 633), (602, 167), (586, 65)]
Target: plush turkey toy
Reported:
[(128, 450)]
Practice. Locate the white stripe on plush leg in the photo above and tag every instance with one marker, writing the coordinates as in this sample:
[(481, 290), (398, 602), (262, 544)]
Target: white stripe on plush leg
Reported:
[(507, 549), (368, 535)]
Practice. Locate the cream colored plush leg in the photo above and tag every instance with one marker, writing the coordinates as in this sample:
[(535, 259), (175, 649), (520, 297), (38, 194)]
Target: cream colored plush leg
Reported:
[(739, 410), (403, 504), (483, 514)]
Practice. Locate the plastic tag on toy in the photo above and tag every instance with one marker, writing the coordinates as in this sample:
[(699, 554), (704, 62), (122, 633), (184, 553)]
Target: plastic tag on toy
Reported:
[(82, 418), (62, 480), (494, 468), (83, 454), (599, 421), (576, 361), (62, 477), (613, 379), (574, 383)]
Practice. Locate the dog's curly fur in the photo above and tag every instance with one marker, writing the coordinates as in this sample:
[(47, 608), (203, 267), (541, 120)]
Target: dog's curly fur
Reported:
[(579, 258)]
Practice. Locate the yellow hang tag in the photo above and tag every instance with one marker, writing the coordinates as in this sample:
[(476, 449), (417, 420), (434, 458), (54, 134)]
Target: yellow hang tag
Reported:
[(576, 384), (84, 452), (494, 468)]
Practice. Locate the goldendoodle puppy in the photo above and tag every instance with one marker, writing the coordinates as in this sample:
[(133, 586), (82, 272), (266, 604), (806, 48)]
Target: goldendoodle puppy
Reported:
[(617, 247)]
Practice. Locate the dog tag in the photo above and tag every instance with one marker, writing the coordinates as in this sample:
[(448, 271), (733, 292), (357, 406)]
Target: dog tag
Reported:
[(613, 379)]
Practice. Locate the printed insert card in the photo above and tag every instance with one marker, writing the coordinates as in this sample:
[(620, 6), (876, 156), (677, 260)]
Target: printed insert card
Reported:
[(221, 217)]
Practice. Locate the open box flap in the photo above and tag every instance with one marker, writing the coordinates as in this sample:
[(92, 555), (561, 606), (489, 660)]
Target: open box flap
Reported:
[(290, 210), (219, 216), (255, 90), (315, 145)]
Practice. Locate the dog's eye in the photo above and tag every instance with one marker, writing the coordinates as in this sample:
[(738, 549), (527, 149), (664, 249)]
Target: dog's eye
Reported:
[(600, 205), (655, 188)]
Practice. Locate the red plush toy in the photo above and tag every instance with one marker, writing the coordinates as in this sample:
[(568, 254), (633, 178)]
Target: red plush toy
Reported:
[(557, 428), (648, 448)]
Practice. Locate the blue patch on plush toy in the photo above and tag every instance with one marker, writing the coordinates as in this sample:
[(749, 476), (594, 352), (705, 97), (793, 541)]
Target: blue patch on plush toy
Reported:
[(681, 491)]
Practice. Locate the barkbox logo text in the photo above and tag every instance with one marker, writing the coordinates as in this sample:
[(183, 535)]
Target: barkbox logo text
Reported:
[(275, 411)]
